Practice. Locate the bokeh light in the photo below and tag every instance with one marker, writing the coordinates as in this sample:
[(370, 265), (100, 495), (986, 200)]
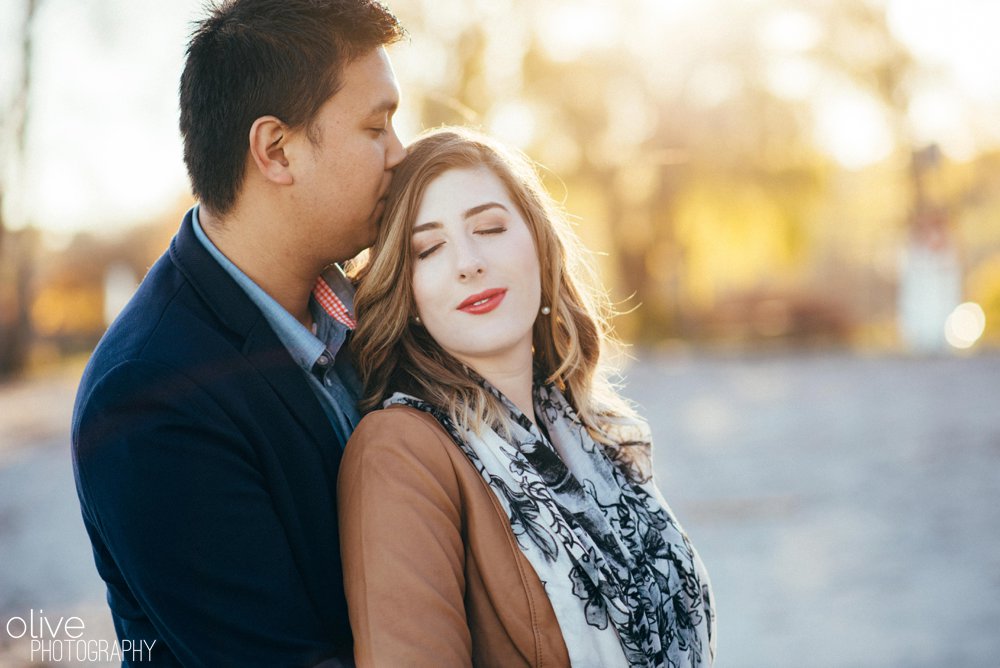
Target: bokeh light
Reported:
[(965, 325)]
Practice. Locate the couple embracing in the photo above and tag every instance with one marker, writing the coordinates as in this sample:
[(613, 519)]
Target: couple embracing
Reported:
[(495, 504)]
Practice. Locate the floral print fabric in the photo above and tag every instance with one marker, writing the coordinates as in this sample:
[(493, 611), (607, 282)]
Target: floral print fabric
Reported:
[(625, 582)]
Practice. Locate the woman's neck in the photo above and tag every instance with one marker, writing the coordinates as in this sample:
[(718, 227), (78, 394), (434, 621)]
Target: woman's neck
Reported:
[(511, 377)]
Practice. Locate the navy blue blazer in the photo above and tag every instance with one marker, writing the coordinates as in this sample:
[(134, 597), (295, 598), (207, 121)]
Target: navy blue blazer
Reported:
[(206, 470)]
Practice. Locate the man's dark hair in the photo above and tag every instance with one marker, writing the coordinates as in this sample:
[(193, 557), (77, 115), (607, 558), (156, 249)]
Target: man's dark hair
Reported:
[(252, 58)]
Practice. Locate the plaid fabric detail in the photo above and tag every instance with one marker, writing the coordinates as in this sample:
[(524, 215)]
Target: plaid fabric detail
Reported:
[(332, 304)]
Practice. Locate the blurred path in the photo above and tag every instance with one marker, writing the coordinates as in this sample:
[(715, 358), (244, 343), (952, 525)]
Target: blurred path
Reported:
[(45, 559), (847, 508)]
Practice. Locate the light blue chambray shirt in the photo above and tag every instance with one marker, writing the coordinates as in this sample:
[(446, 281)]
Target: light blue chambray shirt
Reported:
[(331, 376)]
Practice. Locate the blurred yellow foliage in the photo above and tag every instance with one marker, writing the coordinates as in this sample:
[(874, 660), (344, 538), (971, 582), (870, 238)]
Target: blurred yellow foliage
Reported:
[(983, 287), (60, 310), (735, 238)]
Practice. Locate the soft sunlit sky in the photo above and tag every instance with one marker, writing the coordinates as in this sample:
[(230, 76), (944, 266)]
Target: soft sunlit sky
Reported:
[(104, 151)]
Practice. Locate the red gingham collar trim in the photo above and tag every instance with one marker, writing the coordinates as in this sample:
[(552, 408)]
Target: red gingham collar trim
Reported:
[(332, 304)]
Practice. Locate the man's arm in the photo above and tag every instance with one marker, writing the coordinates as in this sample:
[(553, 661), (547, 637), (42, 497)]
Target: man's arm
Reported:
[(185, 528)]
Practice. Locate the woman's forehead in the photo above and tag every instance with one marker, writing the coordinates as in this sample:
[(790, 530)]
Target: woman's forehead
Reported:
[(456, 191)]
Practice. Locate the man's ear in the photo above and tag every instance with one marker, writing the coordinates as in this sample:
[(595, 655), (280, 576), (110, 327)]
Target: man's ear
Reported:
[(268, 136)]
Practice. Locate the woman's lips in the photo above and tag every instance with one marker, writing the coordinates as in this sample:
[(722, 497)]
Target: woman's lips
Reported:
[(484, 302)]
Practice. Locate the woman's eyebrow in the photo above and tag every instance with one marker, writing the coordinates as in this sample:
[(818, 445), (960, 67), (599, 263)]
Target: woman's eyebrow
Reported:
[(479, 208), (483, 207), (423, 227)]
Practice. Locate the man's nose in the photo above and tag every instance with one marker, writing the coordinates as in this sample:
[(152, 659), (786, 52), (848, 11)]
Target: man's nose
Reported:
[(396, 152)]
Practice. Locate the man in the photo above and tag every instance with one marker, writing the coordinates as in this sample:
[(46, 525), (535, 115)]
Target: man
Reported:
[(209, 424)]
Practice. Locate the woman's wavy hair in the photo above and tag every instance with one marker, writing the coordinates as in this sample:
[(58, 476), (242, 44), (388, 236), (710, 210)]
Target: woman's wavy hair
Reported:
[(392, 352)]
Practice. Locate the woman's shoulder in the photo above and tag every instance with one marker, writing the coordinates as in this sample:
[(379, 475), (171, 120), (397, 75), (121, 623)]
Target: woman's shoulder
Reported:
[(403, 451), (401, 431), (395, 416)]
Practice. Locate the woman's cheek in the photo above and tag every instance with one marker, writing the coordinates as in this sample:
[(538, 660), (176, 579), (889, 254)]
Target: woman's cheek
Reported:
[(424, 289)]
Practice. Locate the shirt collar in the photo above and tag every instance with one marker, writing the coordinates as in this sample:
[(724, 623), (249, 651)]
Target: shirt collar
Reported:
[(331, 308)]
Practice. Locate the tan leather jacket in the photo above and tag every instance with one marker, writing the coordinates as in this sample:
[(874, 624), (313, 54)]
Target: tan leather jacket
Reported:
[(433, 574)]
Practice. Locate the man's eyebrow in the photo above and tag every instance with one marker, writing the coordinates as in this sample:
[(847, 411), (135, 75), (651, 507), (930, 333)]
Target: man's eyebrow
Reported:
[(384, 107), (483, 207)]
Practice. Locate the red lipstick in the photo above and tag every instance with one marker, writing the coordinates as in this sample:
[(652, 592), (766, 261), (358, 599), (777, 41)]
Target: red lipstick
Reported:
[(484, 302)]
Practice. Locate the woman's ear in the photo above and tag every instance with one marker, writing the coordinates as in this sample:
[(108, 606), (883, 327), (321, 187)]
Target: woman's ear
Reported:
[(268, 135)]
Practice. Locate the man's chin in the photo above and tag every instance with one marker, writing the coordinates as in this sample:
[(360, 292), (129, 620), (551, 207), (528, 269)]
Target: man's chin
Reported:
[(367, 236), (378, 212)]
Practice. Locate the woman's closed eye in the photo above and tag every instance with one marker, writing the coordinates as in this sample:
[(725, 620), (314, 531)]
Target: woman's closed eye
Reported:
[(421, 254), (486, 231)]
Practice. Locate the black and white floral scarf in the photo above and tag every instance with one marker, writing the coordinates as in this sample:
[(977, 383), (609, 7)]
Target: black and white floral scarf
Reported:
[(627, 587)]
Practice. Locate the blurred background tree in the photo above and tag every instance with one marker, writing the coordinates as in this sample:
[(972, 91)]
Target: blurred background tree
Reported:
[(701, 151), (17, 248), (749, 173)]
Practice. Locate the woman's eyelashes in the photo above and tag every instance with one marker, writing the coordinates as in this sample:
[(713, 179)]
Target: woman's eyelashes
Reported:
[(421, 254)]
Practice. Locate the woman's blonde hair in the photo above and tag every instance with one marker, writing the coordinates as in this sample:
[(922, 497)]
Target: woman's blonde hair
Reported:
[(392, 352)]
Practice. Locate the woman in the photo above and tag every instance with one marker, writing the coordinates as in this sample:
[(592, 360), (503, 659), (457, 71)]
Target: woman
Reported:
[(500, 510)]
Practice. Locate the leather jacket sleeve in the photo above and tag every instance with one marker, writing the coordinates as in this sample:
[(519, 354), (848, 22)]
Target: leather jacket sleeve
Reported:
[(402, 545)]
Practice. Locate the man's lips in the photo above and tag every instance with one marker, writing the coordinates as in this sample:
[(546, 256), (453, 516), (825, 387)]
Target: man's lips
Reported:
[(484, 302)]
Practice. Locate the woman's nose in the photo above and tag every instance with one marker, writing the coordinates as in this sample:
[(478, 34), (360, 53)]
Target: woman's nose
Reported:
[(470, 262)]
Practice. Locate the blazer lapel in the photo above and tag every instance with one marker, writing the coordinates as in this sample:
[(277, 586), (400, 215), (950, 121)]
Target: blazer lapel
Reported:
[(261, 346), (269, 356), (312, 522)]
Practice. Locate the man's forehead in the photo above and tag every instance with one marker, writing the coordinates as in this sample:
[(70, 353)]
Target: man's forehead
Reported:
[(370, 83)]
